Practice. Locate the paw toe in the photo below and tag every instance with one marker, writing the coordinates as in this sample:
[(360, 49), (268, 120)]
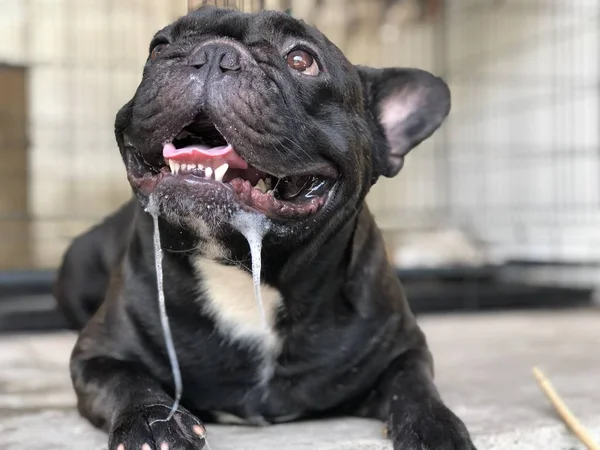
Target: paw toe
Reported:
[(199, 430)]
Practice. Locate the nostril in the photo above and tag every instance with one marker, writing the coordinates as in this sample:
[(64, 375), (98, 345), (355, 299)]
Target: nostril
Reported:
[(230, 61), (198, 59)]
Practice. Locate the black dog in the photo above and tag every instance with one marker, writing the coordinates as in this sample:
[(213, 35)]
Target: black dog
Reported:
[(261, 114)]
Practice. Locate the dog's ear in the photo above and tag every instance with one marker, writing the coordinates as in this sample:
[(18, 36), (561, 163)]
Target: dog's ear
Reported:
[(407, 106)]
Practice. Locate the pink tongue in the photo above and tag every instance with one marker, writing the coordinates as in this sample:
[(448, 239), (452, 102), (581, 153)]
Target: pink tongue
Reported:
[(207, 156)]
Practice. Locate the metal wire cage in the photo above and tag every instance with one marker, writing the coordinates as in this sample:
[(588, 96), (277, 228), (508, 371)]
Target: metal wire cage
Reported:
[(515, 167)]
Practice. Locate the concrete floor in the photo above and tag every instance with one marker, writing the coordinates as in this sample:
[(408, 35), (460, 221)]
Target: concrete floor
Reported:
[(483, 370)]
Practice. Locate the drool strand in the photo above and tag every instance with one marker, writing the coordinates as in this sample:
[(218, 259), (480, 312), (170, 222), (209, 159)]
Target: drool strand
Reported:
[(254, 228), (164, 318), (255, 243)]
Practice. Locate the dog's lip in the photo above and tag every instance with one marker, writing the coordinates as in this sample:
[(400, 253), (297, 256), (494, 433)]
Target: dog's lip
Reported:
[(322, 170), (245, 196)]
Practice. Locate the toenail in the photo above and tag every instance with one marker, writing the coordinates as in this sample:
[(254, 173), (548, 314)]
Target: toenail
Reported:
[(164, 446), (146, 447), (199, 430)]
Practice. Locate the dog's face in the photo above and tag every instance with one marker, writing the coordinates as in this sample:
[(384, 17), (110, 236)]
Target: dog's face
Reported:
[(260, 112)]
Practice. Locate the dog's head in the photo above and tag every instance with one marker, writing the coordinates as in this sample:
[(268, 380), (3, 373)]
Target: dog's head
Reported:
[(261, 112)]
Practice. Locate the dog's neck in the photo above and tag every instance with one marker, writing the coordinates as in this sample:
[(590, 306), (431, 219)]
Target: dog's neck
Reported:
[(284, 261)]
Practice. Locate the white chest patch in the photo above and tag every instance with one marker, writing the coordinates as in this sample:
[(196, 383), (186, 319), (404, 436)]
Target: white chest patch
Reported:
[(229, 293)]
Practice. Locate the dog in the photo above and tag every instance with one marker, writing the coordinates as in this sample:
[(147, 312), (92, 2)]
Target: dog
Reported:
[(258, 115)]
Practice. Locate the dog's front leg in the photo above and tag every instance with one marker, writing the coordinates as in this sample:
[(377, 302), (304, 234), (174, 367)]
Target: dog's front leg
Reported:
[(125, 400), (417, 417)]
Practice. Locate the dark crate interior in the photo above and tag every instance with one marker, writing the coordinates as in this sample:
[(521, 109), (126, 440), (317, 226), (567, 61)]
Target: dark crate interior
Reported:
[(27, 304)]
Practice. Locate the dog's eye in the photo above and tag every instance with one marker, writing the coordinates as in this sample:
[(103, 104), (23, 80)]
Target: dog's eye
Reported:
[(302, 62), (156, 50)]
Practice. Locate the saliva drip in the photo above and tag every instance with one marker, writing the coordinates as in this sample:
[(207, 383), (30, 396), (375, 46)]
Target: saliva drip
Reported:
[(254, 227), (152, 209)]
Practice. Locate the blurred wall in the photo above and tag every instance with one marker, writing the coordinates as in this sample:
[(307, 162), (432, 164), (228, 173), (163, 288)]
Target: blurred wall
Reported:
[(84, 59), (523, 138)]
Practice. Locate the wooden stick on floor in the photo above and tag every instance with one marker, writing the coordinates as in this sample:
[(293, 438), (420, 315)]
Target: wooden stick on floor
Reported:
[(563, 411)]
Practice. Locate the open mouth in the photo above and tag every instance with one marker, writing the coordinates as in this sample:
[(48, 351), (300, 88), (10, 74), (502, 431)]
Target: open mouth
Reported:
[(200, 155)]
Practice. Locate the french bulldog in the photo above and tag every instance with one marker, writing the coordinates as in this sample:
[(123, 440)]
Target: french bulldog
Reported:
[(256, 114)]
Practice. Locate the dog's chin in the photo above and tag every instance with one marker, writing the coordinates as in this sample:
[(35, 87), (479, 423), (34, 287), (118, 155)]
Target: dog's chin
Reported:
[(199, 176)]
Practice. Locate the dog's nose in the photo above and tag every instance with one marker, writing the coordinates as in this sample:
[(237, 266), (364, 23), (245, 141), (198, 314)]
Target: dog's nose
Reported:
[(221, 56)]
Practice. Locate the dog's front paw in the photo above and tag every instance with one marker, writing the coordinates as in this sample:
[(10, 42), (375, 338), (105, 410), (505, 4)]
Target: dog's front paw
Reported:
[(146, 429), (430, 427)]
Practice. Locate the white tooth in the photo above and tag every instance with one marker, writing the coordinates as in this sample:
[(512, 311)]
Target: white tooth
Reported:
[(174, 167), (191, 167), (268, 183), (183, 167), (220, 172), (200, 166), (208, 172), (261, 186)]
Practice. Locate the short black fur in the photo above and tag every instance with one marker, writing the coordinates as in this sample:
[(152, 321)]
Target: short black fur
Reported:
[(349, 344)]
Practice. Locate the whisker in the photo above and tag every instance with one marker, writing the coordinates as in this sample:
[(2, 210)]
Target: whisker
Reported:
[(300, 148)]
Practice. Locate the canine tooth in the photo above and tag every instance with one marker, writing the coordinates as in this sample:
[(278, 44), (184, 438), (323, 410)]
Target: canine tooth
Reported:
[(208, 172), (261, 186), (220, 172), (174, 166)]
